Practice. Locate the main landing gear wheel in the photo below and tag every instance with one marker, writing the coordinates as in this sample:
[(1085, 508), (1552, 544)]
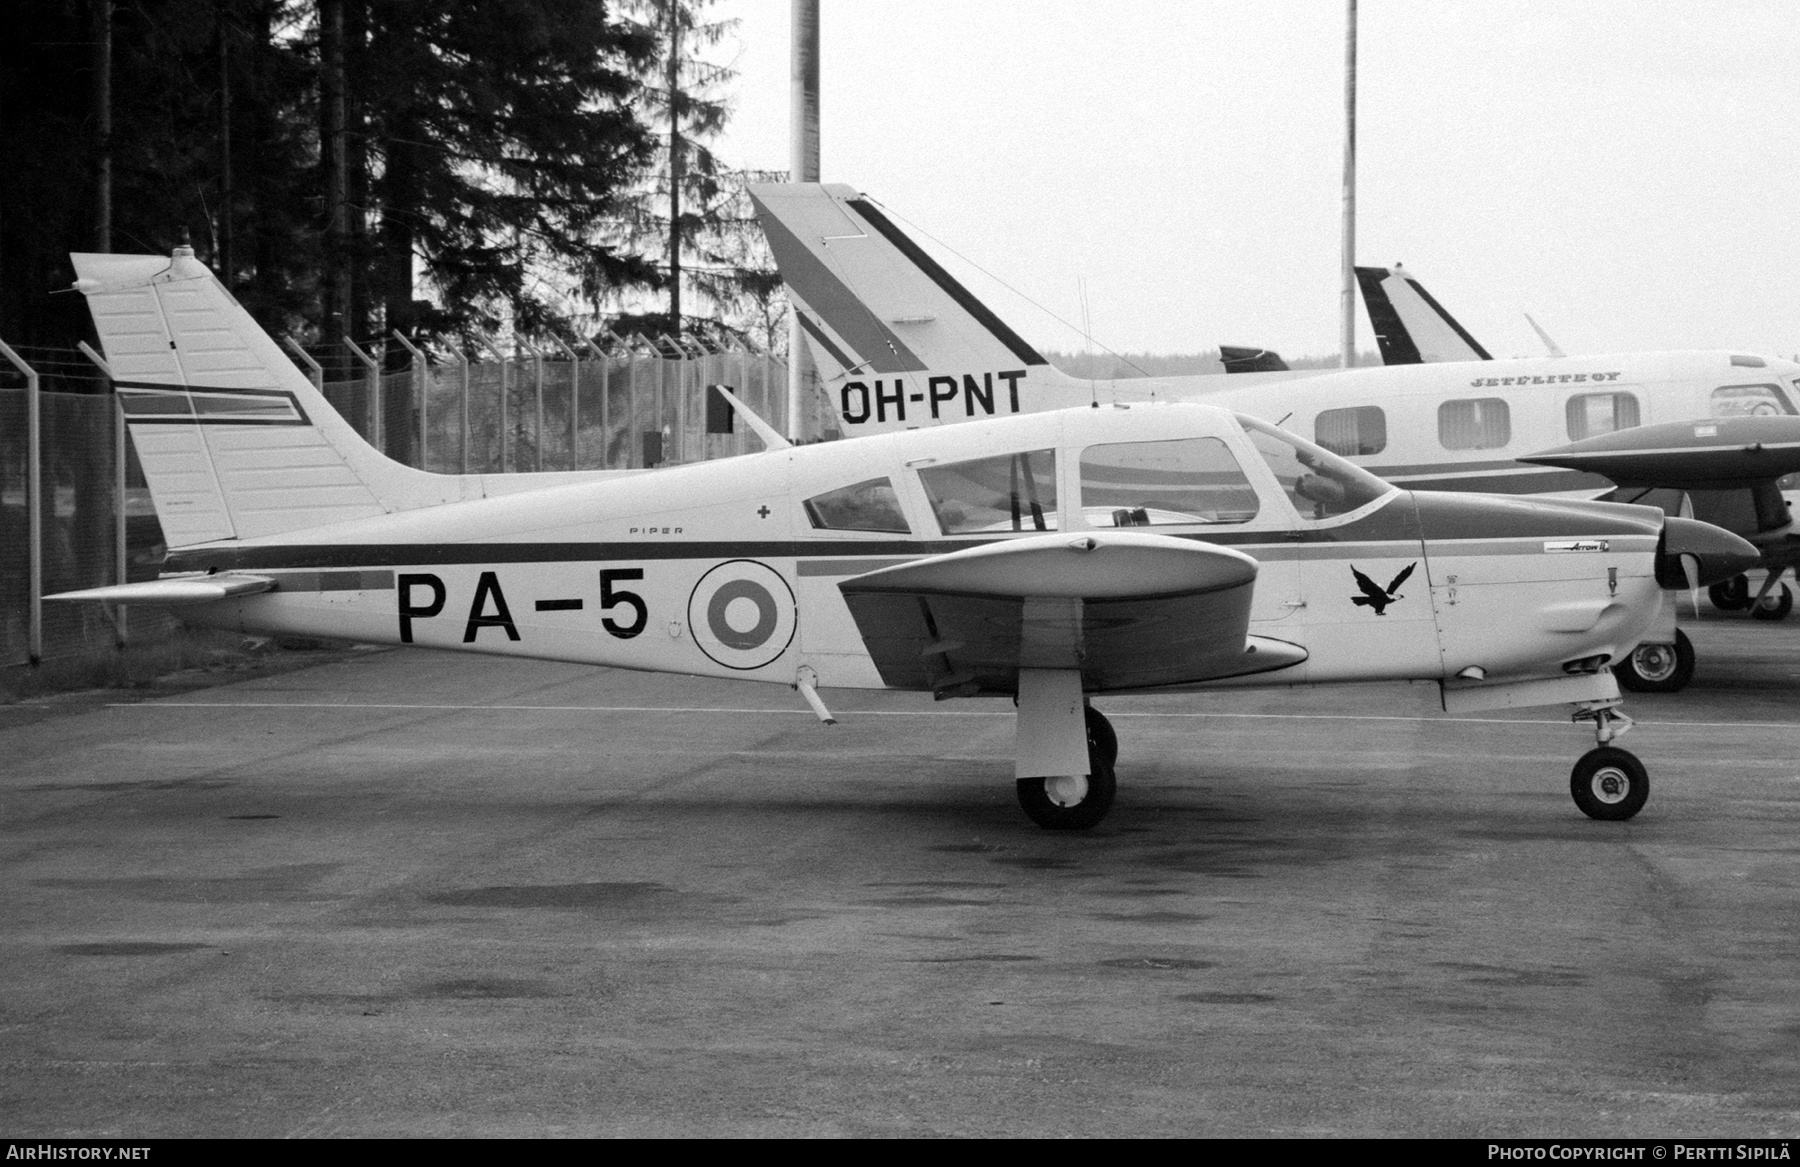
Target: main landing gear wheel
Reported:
[(1775, 606), (1733, 595), (1609, 783), (1102, 741), (1658, 668), (1072, 802)]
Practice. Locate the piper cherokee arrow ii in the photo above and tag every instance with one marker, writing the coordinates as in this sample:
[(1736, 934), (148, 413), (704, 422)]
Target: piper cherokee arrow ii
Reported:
[(1048, 557)]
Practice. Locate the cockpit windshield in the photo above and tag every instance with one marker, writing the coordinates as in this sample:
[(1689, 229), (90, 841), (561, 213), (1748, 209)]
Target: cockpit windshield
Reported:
[(1320, 483)]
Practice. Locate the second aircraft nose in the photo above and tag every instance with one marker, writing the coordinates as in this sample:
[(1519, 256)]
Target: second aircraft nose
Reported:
[(1719, 553)]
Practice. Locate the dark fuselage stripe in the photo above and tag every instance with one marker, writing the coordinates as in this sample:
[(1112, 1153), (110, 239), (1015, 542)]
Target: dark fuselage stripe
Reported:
[(846, 563)]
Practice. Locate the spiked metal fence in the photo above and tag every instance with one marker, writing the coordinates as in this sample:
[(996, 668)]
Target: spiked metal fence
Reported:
[(75, 512)]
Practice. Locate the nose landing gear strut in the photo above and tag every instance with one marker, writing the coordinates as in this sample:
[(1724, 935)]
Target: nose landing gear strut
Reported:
[(1608, 782)]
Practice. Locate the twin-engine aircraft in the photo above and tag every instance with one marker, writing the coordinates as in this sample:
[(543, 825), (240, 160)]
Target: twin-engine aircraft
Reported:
[(1050, 557), (1735, 462), (903, 345)]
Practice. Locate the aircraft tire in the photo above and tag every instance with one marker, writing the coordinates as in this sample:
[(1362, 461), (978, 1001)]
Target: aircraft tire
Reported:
[(1103, 741), (1773, 608), (1084, 814), (1732, 595), (1609, 784), (1658, 668)]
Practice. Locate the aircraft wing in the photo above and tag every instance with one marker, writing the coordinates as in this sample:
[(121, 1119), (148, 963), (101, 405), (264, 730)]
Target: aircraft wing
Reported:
[(1710, 454), (1128, 610), (180, 589)]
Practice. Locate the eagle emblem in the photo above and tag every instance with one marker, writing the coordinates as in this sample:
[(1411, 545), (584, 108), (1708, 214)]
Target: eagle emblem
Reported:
[(1377, 597)]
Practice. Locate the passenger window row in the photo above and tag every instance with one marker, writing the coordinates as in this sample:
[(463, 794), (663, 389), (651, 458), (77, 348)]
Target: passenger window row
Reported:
[(1475, 423)]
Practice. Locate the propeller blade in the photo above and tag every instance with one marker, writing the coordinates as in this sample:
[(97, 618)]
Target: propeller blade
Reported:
[(1690, 567)]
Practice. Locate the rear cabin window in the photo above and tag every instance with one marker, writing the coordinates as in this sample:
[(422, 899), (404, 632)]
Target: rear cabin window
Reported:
[(1352, 432), (1150, 484), (1592, 414), (1477, 423), (1014, 492), (1749, 401), (866, 506)]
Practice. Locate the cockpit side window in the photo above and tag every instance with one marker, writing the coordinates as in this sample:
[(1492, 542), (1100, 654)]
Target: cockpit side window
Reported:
[(865, 506), (1013, 492), (1149, 484), (1749, 401), (1320, 483)]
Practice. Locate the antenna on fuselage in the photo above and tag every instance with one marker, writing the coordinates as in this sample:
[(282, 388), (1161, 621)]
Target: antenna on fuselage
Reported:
[(1087, 338)]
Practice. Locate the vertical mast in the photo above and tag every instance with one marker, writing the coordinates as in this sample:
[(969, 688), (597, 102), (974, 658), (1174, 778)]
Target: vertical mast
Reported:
[(803, 166), (1347, 330), (103, 21), (675, 169)]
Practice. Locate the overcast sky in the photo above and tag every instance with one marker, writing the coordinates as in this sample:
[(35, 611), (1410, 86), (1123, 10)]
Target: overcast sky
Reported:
[(1625, 170)]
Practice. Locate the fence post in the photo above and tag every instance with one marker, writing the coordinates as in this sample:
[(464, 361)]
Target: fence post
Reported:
[(632, 442), (421, 368), (314, 370), (121, 563), (34, 498), (462, 359), (505, 387), (537, 385), (605, 403), (373, 368), (574, 397)]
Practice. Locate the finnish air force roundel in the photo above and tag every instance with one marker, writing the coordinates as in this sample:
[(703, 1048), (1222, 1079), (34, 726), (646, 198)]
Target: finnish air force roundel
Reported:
[(742, 614)]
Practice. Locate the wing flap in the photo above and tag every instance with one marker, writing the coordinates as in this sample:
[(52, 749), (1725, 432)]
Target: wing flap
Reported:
[(1127, 610)]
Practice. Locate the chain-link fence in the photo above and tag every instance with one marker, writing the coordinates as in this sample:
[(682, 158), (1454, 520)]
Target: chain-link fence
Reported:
[(96, 525)]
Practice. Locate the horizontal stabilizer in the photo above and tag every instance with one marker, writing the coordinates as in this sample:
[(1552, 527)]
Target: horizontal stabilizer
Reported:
[(1250, 360), (1710, 454), (190, 589), (1127, 610)]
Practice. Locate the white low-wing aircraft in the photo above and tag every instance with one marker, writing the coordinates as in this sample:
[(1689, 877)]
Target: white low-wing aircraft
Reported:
[(1048, 557), (903, 345)]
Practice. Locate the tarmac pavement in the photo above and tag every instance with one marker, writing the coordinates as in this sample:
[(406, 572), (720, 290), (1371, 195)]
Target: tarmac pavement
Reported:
[(412, 893)]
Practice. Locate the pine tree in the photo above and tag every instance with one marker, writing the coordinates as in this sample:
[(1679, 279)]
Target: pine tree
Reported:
[(690, 217)]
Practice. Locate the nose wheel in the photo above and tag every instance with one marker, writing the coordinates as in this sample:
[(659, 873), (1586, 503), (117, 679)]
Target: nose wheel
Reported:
[(1609, 783)]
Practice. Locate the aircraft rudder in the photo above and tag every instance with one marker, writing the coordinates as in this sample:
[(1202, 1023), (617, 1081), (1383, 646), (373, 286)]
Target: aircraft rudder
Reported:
[(235, 442)]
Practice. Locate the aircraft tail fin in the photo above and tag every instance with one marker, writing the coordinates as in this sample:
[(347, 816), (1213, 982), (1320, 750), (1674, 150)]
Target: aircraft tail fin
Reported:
[(868, 297), (1410, 326), (235, 442)]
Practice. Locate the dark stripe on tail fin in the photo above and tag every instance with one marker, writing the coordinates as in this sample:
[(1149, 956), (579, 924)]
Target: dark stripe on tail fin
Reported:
[(943, 279), (1397, 347), (1449, 319), (811, 328)]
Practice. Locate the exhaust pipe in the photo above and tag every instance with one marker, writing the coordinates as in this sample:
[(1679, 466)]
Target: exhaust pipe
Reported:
[(1711, 554)]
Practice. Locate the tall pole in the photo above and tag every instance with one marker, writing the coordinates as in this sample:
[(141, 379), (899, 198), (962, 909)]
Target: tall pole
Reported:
[(223, 260), (103, 125), (803, 166), (1347, 331), (334, 161), (675, 161)]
